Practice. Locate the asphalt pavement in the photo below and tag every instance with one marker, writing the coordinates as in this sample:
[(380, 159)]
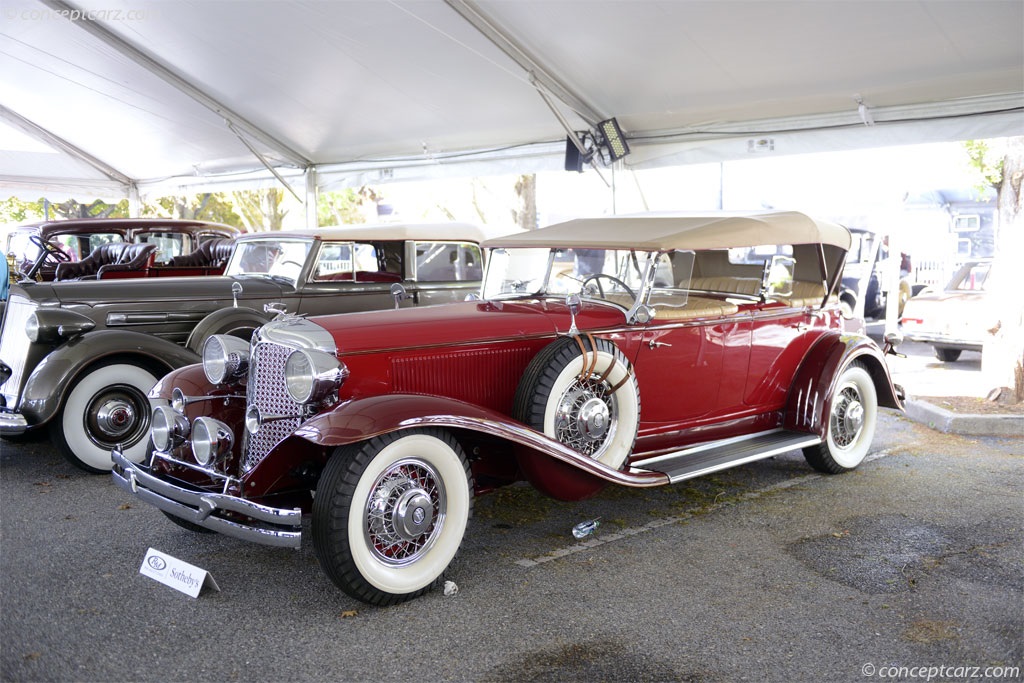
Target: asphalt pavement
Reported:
[(767, 572)]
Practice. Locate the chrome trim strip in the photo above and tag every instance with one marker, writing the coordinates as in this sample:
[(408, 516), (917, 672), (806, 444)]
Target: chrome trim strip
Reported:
[(527, 437), (13, 423), (142, 318), (200, 507)]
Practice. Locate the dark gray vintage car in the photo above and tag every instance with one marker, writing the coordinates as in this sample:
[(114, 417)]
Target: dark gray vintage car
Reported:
[(78, 358)]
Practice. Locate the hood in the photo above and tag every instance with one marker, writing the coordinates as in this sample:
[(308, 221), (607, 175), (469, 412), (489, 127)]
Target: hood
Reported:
[(461, 323), (155, 289)]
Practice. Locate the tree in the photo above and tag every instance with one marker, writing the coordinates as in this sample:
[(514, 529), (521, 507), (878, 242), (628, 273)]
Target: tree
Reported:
[(1000, 164), (208, 206), (525, 213), (261, 209), (345, 207)]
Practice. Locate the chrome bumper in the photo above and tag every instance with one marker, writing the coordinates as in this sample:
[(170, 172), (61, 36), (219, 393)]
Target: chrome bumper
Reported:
[(13, 423), (200, 508), (944, 340)]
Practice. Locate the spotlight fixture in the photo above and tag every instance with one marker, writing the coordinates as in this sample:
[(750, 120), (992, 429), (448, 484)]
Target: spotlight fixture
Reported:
[(579, 151), (612, 140)]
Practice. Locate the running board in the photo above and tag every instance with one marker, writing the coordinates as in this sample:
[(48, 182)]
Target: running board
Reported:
[(720, 455)]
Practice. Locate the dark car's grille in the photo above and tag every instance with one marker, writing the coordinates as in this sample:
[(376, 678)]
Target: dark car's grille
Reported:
[(267, 392), (14, 345)]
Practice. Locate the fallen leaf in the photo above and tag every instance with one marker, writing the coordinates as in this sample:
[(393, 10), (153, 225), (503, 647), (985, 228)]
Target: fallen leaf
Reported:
[(124, 506), (349, 613)]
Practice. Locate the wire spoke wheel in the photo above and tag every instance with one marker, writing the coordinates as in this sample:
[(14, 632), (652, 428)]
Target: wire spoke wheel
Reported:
[(586, 416), (390, 512), (852, 418), (405, 512)]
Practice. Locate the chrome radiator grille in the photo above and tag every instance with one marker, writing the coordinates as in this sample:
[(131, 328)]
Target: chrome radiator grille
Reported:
[(268, 393), (14, 346)]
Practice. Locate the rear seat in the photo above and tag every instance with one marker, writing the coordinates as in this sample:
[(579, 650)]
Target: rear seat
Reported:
[(804, 293), (695, 307), (732, 285)]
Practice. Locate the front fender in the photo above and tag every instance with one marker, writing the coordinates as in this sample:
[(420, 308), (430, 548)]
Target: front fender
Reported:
[(361, 419), (810, 396), (48, 385)]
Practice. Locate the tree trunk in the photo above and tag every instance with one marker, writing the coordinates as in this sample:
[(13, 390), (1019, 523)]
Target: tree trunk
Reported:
[(525, 215), (1002, 358)]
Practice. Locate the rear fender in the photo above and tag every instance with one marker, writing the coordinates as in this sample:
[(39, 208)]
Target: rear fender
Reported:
[(810, 397), (48, 385), (361, 419)]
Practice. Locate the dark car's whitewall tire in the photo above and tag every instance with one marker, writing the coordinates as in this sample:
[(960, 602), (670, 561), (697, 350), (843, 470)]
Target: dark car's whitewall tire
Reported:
[(390, 513), (107, 407), (587, 400), (852, 420)]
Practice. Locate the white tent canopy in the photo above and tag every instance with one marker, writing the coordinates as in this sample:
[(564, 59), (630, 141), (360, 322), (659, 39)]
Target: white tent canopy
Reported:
[(125, 96)]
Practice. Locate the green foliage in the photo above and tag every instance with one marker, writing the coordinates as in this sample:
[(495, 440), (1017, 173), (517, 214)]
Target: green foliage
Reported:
[(340, 207), (987, 163), (208, 206)]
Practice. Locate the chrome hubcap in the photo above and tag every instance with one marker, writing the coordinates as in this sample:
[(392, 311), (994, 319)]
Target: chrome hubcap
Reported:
[(405, 512), (119, 415), (115, 417), (847, 417), (593, 419), (585, 416)]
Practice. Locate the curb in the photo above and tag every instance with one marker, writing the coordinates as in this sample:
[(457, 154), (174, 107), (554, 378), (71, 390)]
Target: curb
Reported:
[(948, 422)]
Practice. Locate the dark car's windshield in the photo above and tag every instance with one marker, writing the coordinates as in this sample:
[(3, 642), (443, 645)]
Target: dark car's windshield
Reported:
[(271, 257)]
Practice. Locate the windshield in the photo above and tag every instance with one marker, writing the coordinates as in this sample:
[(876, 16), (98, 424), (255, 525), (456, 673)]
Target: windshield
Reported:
[(613, 275), (270, 257)]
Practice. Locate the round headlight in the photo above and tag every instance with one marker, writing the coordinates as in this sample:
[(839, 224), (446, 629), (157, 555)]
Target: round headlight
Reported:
[(211, 439), (170, 428), (225, 358), (311, 376), (32, 328)]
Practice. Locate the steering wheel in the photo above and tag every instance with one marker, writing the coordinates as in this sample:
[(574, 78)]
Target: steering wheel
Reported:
[(47, 251), (597, 278)]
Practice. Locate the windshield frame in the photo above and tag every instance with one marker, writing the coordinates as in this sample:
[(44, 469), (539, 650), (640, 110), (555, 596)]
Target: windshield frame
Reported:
[(234, 269)]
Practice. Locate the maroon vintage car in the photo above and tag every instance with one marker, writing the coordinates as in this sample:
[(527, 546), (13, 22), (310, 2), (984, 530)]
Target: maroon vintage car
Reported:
[(635, 351)]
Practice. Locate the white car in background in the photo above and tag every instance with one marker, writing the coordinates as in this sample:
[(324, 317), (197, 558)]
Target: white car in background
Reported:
[(956, 318)]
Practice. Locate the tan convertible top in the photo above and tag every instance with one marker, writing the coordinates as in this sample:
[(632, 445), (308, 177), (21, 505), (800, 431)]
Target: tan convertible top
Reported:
[(665, 232), (425, 232)]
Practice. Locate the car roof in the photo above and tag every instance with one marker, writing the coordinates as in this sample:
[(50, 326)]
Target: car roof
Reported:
[(665, 232), (443, 232)]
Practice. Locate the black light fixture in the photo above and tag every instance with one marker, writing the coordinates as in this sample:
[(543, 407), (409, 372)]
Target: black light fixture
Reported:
[(607, 142), (580, 148)]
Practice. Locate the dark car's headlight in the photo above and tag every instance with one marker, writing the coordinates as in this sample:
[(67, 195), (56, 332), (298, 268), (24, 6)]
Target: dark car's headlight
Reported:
[(211, 440), (170, 428), (311, 376), (225, 358)]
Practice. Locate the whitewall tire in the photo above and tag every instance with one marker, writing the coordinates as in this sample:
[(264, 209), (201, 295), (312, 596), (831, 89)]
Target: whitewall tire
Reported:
[(390, 513), (106, 407)]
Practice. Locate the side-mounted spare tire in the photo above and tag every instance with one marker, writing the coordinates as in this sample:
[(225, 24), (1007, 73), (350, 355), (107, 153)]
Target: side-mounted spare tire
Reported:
[(237, 322), (580, 391)]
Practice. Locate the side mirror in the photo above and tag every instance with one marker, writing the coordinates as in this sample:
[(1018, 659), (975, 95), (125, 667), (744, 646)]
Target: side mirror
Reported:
[(643, 314)]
